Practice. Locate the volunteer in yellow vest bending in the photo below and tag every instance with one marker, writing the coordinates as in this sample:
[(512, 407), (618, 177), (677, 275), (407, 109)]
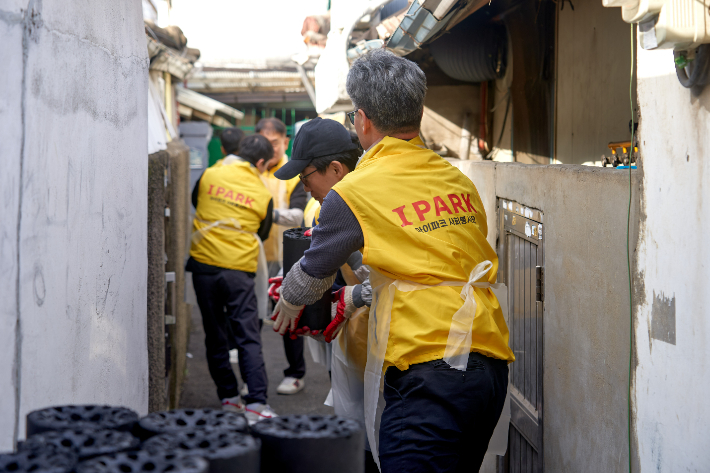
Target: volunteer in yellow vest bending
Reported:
[(233, 215), (289, 202), (436, 330)]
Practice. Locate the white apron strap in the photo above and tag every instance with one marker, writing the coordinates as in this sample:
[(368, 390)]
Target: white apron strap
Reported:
[(378, 330), (457, 350), (458, 346)]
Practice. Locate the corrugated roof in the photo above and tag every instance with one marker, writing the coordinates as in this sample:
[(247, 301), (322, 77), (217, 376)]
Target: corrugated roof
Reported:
[(204, 104), (198, 75), (265, 80)]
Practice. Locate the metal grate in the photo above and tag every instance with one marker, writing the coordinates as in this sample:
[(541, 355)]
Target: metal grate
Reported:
[(520, 249)]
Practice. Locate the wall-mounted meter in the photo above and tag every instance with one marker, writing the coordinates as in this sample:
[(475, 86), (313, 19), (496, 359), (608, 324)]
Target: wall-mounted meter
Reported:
[(681, 25)]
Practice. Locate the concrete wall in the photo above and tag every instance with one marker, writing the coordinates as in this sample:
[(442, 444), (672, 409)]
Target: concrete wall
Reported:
[(593, 66), (586, 318), (73, 240), (443, 119), (672, 375), (11, 130)]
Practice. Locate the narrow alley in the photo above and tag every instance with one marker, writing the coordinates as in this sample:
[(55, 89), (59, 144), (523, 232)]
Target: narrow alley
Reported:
[(354, 236)]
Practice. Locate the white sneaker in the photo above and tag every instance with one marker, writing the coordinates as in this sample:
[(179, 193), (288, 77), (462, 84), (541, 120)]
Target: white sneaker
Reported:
[(234, 356), (233, 404), (257, 411), (244, 392), (290, 385)]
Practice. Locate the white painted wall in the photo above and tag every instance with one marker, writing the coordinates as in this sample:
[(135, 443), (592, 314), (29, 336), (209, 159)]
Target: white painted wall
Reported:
[(73, 142), (672, 380), (10, 149)]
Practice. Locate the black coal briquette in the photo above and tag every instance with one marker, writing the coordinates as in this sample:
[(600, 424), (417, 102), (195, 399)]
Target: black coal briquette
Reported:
[(48, 461), (315, 316), (321, 444), (226, 451), (84, 443), (80, 417), (141, 462), (189, 420)]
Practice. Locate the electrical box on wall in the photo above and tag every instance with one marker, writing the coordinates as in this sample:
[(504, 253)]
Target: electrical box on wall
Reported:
[(681, 25)]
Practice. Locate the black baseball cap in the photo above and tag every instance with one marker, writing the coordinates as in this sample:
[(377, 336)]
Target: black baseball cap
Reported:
[(316, 139)]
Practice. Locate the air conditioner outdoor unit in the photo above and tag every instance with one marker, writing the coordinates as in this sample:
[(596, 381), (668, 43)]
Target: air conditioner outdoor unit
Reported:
[(682, 25)]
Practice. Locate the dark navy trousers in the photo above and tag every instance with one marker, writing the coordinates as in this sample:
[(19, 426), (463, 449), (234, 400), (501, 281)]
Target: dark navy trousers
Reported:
[(438, 419), (293, 348), (227, 301), (294, 356)]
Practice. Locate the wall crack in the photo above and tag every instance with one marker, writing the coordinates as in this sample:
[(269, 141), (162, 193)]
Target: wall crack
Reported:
[(143, 60), (27, 17)]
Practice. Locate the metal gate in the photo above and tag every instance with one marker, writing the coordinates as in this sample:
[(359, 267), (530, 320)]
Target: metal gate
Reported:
[(520, 251)]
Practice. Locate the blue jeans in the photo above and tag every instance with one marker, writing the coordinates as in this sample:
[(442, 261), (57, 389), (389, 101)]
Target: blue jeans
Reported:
[(438, 419)]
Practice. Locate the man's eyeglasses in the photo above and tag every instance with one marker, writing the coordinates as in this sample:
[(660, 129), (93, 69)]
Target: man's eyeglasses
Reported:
[(351, 116), (303, 178)]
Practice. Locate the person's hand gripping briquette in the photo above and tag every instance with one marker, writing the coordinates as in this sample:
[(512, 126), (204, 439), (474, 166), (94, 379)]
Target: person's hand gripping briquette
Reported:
[(346, 307), (286, 316)]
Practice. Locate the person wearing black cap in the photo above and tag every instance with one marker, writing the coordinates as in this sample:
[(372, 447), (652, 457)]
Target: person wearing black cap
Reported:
[(323, 153), (317, 146)]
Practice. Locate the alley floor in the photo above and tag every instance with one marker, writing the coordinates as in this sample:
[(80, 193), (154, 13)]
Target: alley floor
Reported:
[(199, 390)]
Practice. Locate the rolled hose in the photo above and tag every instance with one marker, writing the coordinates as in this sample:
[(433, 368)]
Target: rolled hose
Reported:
[(697, 72), (226, 452), (472, 54), (80, 417)]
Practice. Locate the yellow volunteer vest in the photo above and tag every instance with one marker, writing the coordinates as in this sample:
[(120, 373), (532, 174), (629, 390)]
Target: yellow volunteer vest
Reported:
[(281, 193), (229, 193), (423, 221), (311, 212)]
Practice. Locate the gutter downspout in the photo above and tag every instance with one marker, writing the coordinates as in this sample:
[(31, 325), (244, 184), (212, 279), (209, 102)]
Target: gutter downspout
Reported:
[(307, 83)]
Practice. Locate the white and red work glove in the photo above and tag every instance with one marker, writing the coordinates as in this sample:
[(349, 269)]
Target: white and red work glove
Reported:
[(286, 316), (308, 232), (346, 307), (275, 288), (307, 332)]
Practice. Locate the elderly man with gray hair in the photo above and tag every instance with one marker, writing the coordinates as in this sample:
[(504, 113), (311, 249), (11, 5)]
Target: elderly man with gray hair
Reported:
[(437, 351)]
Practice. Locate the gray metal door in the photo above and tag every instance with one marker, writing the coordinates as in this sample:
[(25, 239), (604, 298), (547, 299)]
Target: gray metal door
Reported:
[(520, 251)]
